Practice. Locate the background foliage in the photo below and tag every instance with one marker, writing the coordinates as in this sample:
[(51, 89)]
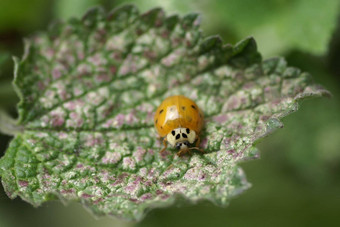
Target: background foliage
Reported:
[(296, 181)]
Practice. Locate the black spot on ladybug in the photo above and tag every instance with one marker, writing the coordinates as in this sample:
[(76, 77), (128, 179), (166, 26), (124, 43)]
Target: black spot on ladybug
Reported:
[(161, 127), (183, 107), (189, 119), (188, 131), (161, 111), (173, 132), (178, 136), (193, 107), (184, 135), (156, 121)]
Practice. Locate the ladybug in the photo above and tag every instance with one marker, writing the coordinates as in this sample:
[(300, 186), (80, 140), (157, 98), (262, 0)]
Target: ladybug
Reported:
[(179, 120)]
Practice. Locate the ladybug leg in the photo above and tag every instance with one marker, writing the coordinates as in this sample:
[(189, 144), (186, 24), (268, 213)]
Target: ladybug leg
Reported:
[(165, 145), (198, 141), (183, 152)]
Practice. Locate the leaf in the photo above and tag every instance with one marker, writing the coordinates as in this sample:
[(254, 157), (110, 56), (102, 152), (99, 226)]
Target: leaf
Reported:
[(14, 19), (278, 26), (316, 154), (4, 56), (65, 9), (88, 90)]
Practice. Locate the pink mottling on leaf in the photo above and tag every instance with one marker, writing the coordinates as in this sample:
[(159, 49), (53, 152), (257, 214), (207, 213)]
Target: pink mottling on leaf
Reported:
[(131, 118), (134, 200), (153, 172), (108, 123), (77, 91), (139, 154), (120, 179), (108, 110), (56, 73), (150, 54), (267, 89), (143, 172), (165, 154), (97, 60), (132, 187), (172, 58), (221, 119), (165, 34), (159, 192), (165, 196), (249, 85), (98, 201), (68, 191), (57, 120), (195, 174), (75, 104), (111, 157), (232, 103), (117, 56), (113, 69), (231, 151), (119, 120), (75, 121), (176, 41), (94, 140), (103, 78), (124, 70), (23, 183), (129, 163), (204, 143), (41, 85), (49, 53), (86, 196), (151, 152), (146, 196), (84, 69), (264, 117)]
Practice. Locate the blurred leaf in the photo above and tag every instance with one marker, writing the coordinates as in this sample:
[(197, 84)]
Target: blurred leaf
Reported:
[(315, 157), (4, 57), (7, 94), (8, 97), (277, 25), (22, 15), (171, 6), (66, 9), (88, 90)]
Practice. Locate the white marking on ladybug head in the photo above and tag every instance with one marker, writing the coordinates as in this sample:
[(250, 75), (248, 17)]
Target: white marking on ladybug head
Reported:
[(181, 137)]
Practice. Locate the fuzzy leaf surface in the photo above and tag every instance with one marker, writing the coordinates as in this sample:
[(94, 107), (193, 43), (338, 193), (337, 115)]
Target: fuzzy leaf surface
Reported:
[(88, 91)]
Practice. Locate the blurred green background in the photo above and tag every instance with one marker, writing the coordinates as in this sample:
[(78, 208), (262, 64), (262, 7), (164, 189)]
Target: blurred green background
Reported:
[(297, 180)]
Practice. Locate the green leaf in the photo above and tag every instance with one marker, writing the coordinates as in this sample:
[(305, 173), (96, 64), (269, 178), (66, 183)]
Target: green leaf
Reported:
[(88, 91), (65, 9), (278, 26), (30, 15), (4, 56)]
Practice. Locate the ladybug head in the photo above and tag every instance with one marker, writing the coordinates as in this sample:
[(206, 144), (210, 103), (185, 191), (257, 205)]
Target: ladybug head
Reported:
[(181, 138)]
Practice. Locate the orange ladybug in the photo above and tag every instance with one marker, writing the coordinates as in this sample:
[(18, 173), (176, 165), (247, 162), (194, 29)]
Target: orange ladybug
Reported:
[(179, 120)]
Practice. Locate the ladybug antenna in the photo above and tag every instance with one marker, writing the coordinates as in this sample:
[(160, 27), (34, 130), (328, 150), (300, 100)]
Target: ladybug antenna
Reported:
[(196, 148)]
